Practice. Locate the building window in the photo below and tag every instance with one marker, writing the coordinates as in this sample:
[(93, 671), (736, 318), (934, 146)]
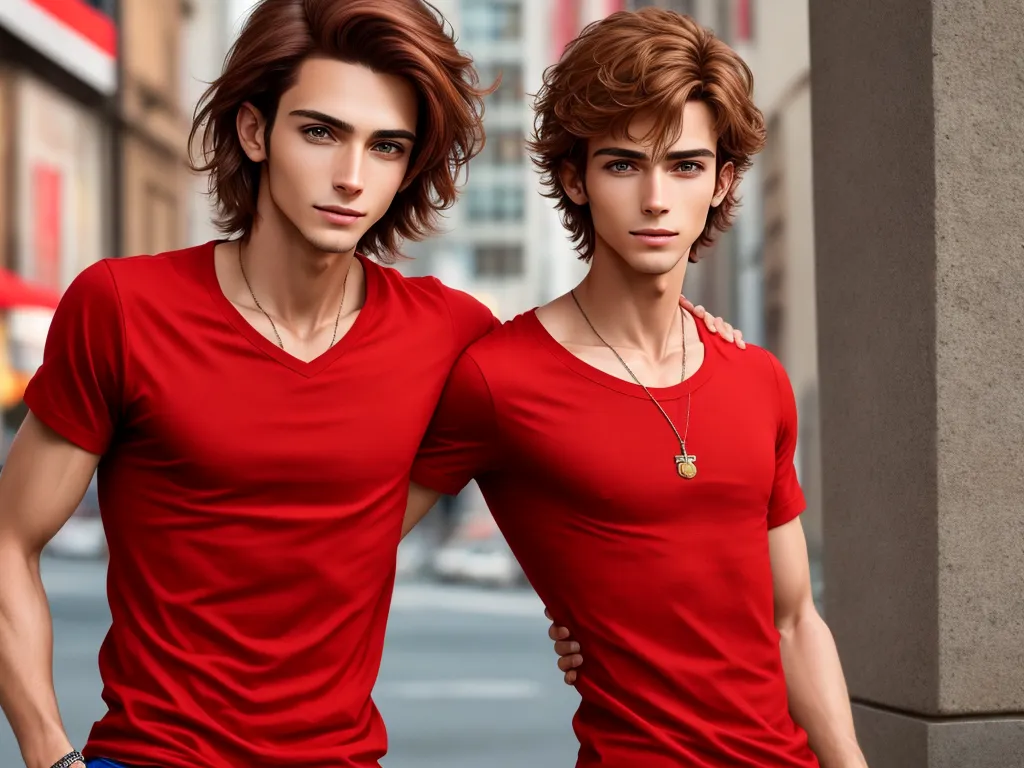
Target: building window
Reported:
[(491, 20), (509, 147), (511, 89), (498, 260), (502, 148), (495, 203)]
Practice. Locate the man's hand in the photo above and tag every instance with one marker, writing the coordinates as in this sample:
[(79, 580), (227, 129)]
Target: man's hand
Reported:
[(568, 650), (714, 324)]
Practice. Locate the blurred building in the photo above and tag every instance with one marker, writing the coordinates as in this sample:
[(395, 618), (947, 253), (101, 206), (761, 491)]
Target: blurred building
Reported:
[(58, 86), (212, 29), (91, 142), (490, 245), (153, 129), (778, 49)]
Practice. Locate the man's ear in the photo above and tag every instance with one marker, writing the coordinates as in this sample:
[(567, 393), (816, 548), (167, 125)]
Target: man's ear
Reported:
[(573, 183), (251, 126), (725, 178)]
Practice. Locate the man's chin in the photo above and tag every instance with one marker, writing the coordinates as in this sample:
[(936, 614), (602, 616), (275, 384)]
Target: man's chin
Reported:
[(653, 263), (331, 242)]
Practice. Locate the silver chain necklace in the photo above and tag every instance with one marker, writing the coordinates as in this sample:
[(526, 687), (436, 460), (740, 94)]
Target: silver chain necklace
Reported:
[(686, 464), (266, 314)]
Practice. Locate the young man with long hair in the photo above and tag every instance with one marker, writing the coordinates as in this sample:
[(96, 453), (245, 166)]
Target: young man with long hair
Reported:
[(640, 468), (253, 406)]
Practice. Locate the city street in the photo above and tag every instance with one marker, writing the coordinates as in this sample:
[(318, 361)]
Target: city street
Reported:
[(468, 677)]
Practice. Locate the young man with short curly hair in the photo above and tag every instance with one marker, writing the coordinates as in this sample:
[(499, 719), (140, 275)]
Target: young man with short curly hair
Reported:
[(641, 469)]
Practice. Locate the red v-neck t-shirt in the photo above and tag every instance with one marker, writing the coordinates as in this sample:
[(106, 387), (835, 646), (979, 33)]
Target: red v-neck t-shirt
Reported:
[(253, 505), (666, 582)]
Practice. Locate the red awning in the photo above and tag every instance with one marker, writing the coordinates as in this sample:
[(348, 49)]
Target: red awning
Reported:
[(17, 293)]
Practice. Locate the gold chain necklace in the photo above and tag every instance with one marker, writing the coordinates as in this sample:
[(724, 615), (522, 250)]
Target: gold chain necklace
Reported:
[(686, 464), (266, 314)]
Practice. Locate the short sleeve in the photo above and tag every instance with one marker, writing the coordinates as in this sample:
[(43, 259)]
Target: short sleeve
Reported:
[(462, 441), (470, 318), (787, 500), (77, 391)]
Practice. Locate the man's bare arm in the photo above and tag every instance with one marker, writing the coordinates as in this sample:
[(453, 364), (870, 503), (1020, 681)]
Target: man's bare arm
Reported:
[(421, 501), (42, 483), (818, 698)]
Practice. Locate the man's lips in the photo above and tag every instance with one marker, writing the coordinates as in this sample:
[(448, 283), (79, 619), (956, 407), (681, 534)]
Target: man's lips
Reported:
[(338, 215), (655, 238)]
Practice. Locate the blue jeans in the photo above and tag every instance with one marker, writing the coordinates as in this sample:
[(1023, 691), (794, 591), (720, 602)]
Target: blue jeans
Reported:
[(99, 762)]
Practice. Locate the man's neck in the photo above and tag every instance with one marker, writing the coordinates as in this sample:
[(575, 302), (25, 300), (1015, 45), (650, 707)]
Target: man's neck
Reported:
[(291, 279), (632, 310)]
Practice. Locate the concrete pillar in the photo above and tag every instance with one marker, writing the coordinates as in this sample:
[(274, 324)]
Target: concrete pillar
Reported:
[(918, 113)]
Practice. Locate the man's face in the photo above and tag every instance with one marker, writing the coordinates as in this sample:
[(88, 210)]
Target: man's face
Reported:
[(339, 151), (648, 211)]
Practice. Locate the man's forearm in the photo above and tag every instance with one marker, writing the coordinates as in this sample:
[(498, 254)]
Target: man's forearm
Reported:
[(26, 661), (818, 697)]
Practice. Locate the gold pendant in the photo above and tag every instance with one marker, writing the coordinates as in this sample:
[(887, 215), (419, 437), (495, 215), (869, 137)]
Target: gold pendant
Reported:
[(686, 466)]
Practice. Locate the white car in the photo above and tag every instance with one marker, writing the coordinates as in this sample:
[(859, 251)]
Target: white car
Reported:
[(487, 561)]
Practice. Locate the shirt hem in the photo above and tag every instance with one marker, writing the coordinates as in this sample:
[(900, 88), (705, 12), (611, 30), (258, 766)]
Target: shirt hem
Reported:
[(70, 431), (436, 482), (786, 513)]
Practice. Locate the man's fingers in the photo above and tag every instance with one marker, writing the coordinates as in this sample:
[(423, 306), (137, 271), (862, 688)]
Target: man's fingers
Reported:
[(565, 647), (565, 663), (570, 677), (709, 321), (558, 633), (725, 329), (686, 304), (739, 340)]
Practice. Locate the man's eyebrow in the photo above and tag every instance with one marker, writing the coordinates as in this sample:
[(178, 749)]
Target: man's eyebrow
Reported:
[(346, 127), (632, 154), (628, 154), (689, 154)]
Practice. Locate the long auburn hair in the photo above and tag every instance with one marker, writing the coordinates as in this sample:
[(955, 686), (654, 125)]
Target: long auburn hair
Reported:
[(650, 62), (406, 38)]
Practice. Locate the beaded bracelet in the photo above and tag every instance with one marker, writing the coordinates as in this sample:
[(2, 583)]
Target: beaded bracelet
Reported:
[(69, 759)]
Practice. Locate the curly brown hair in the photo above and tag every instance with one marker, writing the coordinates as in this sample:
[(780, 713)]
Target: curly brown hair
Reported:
[(407, 38), (649, 62)]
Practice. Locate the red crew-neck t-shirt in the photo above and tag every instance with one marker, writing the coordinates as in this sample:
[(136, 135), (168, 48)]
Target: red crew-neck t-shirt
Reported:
[(253, 505), (665, 582)]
